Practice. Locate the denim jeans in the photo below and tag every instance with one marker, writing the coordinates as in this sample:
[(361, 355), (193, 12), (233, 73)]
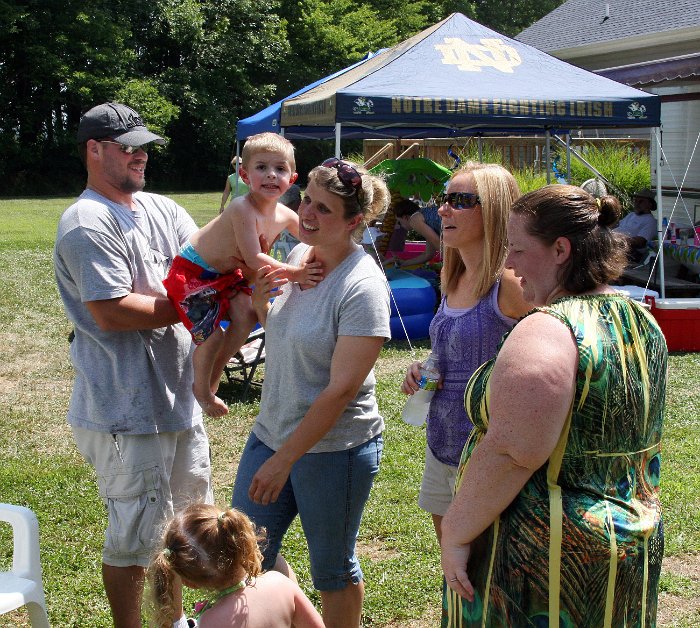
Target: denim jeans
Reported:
[(328, 491)]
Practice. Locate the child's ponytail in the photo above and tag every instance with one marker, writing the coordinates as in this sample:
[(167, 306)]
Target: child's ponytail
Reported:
[(162, 577), (240, 542)]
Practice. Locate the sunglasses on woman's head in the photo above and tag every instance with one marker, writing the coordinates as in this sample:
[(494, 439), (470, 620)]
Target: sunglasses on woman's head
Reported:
[(348, 176), (460, 200)]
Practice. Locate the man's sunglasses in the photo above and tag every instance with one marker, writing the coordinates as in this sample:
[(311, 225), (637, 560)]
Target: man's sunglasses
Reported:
[(460, 200), (126, 148), (348, 176)]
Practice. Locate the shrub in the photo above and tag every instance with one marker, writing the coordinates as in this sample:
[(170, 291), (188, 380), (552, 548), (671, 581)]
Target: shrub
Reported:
[(626, 168), (529, 180)]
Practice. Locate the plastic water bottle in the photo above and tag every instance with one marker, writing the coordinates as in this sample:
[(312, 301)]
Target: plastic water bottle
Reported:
[(416, 409)]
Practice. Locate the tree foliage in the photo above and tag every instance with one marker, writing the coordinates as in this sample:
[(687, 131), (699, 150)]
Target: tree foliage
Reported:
[(508, 18), (192, 68)]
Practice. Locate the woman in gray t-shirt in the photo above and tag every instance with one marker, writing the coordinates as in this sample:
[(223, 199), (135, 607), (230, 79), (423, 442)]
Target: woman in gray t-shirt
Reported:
[(316, 444)]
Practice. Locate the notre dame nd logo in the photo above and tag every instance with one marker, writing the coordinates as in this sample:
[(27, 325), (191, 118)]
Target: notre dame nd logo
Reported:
[(472, 57)]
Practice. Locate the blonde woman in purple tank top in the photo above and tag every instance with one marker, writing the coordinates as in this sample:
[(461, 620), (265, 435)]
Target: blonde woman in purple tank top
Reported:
[(480, 303)]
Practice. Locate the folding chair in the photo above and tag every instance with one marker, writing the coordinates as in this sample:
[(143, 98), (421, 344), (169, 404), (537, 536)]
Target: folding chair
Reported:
[(283, 246), (22, 585), (244, 364)]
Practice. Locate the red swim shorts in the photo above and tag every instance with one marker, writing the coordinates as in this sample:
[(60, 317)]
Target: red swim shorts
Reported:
[(200, 296)]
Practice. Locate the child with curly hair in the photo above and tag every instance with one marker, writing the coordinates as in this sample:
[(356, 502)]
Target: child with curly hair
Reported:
[(218, 551)]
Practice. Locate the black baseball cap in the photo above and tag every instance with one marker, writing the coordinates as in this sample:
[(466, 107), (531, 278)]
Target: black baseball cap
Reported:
[(116, 121)]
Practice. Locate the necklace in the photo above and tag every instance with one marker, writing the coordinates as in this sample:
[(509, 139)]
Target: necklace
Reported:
[(201, 607)]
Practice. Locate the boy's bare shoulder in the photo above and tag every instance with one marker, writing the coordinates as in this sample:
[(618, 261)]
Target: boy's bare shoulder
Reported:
[(282, 212), (238, 205)]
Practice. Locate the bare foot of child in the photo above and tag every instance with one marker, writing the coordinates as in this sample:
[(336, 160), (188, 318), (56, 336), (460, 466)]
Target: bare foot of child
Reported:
[(211, 405)]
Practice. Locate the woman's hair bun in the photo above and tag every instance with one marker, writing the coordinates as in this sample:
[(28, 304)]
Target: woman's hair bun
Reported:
[(609, 211)]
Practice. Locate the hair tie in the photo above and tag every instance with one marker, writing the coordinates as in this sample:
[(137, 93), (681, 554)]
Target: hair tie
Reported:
[(597, 202), (221, 517), (167, 552)]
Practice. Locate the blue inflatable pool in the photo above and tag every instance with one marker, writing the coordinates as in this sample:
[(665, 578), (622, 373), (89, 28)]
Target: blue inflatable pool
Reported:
[(415, 299)]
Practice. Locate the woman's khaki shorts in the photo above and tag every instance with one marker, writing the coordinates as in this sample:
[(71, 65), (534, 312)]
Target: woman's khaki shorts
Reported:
[(438, 485)]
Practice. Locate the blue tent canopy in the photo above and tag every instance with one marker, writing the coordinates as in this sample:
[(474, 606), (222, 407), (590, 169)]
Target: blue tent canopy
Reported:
[(269, 118), (456, 78)]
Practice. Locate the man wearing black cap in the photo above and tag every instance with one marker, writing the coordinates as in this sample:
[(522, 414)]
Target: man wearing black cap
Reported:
[(639, 225), (132, 411)]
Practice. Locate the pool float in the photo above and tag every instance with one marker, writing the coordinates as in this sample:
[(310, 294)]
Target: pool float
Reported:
[(415, 299)]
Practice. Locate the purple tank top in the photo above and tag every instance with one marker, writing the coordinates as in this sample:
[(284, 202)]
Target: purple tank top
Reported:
[(463, 343)]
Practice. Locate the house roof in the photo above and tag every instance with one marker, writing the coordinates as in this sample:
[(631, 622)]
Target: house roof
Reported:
[(579, 23), (672, 68)]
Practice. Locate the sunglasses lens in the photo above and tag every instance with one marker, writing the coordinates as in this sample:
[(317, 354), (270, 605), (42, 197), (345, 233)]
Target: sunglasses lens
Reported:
[(130, 150), (461, 200)]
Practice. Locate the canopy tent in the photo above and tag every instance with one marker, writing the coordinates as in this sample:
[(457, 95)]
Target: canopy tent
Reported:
[(460, 75), (457, 78), (269, 118)]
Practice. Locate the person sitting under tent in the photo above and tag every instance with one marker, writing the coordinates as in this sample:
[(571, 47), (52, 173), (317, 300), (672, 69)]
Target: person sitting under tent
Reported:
[(424, 221), (286, 242), (639, 226)]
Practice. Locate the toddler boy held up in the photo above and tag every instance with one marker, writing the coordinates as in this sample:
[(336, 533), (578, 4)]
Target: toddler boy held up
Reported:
[(206, 284)]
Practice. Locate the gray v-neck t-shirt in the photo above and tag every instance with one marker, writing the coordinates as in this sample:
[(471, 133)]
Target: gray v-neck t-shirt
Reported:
[(300, 337)]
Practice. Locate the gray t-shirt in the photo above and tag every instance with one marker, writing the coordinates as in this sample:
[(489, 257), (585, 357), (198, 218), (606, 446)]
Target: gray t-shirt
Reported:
[(300, 336), (135, 382)]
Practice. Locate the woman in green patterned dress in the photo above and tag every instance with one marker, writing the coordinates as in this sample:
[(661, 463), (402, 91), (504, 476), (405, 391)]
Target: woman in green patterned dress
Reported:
[(556, 519)]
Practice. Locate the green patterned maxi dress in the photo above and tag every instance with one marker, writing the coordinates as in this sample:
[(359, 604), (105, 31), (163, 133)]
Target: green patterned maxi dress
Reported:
[(581, 544)]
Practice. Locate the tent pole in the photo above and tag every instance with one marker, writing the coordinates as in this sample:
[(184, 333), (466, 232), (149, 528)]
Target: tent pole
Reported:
[(480, 148), (546, 155), (573, 152), (238, 159), (659, 215), (568, 157), (337, 140)]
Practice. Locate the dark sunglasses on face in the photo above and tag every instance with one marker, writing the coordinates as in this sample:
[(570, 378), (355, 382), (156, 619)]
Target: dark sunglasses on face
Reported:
[(460, 200), (348, 176), (125, 148)]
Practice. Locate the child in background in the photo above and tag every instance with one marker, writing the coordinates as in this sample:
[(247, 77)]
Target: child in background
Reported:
[(218, 551), (231, 188), (205, 282)]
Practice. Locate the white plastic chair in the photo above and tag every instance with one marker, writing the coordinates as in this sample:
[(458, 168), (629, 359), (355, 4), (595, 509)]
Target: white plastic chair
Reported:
[(22, 585)]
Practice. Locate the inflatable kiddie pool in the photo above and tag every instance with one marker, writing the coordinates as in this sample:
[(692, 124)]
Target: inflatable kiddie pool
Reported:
[(413, 248), (415, 299)]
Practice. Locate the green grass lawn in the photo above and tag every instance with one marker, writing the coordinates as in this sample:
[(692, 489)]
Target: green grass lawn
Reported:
[(42, 469)]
